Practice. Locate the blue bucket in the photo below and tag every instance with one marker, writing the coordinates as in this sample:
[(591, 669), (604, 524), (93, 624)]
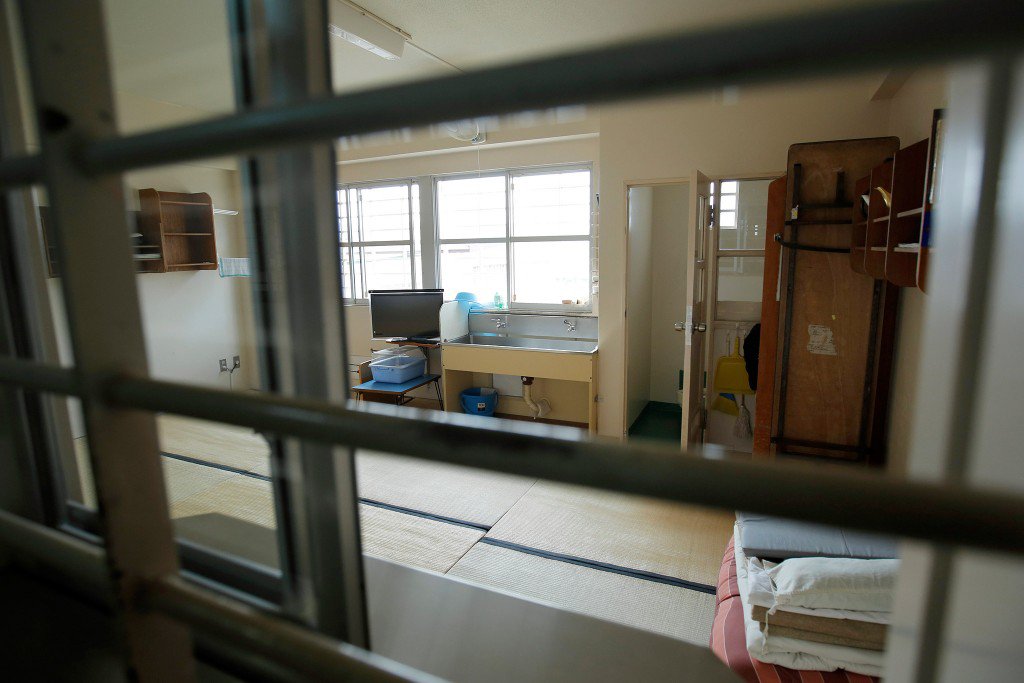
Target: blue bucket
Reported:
[(479, 401)]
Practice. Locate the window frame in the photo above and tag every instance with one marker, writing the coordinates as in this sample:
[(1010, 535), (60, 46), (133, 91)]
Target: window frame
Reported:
[(415, 273), (509, 240)]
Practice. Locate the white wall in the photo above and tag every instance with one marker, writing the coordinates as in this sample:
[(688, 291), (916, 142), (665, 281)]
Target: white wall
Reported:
[(669, 263), (669, 138), (638, 302), (190, 319), (910, 119)]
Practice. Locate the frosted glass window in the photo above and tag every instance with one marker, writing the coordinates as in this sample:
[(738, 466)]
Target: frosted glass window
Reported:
[(481, 269), (551, 204), (551, 272), (518, 238), (375, 230), (471, 208)]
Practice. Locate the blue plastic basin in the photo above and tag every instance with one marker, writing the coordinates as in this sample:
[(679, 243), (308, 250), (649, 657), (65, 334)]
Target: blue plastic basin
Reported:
[(479, 401)]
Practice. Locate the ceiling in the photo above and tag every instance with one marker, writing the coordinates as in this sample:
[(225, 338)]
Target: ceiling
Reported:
[(472, 34), (178, 52)]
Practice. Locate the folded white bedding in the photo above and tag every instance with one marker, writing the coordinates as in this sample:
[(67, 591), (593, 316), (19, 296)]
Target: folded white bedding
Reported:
[(795, 653), (861, 590)]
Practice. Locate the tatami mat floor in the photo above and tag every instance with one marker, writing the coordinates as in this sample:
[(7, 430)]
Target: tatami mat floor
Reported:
[(640, 562)]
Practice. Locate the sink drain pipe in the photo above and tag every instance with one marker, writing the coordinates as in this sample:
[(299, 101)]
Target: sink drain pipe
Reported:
[(541, 406)]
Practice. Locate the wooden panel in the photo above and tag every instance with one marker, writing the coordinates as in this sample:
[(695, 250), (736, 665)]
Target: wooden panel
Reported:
[(877, 232), (858, 234), (825, 342), (908, 186), (572, 366), (769, 318)]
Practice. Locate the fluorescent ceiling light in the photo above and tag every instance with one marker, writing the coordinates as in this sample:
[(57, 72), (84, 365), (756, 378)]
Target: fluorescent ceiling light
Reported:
[(362, 30)]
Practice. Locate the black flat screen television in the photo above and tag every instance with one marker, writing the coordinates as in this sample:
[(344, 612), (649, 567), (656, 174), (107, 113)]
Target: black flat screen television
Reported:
[(409, 313)]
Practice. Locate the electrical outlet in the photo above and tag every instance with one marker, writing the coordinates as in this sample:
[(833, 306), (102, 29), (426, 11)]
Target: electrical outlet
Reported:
[(237, 363), (223, 364)]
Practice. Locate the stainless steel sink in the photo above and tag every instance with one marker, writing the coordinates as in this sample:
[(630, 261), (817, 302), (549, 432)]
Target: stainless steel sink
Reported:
[(530, 343)]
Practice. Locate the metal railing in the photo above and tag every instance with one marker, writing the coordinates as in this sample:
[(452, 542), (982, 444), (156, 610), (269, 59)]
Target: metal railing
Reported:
[(940, 513), (828, 43)]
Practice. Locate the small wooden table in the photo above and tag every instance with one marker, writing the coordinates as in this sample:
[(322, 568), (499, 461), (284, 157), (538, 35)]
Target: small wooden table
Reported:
[(399, 391)]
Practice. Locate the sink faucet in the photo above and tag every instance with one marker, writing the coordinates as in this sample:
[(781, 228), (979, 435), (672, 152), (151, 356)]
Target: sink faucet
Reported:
[(570, 325), (499, 323)]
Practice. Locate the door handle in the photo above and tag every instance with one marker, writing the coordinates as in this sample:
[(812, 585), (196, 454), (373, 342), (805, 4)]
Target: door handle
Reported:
[(681, 327), (700, 327)]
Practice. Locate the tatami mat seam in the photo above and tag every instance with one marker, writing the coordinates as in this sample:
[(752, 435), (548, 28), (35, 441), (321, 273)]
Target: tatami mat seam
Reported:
[(553, 556), (602, 566)]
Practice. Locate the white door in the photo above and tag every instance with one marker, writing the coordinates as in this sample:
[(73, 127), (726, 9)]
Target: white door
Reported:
[(696, 325)]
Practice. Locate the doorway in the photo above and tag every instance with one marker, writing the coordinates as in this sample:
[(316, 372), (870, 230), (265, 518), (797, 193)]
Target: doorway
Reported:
[(736, 280), (658, 267)]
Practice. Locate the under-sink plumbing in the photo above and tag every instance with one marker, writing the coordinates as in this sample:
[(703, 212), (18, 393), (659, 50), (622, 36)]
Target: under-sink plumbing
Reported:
[(570, 325), (541, 406), (499, 323)]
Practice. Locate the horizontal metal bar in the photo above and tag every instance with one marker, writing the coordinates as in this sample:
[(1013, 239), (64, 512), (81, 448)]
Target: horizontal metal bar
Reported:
[(57, 557), (20, 171), (860, 500), (828, 42), (870, 501), (38, 376), (81, 568), (307, 652)]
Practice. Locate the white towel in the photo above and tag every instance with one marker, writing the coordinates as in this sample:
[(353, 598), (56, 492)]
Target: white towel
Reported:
[(233, 267)]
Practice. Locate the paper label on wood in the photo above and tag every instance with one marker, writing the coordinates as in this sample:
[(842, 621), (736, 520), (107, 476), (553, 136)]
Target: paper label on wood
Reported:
[(820, 341)]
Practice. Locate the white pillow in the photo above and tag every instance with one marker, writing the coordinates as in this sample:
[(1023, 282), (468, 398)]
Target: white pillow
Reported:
[(835, 583)]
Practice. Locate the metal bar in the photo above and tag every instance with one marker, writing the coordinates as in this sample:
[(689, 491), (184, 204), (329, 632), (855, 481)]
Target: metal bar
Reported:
[(80, 567), (39, 376), (957, 514), (949, 514), (57, 557), (302, 325), (308, 653), (17, 171), (1000, 84), (70, 76), (831, 42)]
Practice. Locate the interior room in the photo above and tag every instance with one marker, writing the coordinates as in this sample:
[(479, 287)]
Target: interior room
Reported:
[(743, 275)]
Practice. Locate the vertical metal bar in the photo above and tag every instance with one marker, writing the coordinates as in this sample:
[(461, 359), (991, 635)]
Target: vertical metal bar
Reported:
[(54, 461), (318, 512), (998, 94), (71, 84)]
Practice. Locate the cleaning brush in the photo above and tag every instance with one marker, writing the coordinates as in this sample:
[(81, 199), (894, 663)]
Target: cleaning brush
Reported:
[(741, 428)]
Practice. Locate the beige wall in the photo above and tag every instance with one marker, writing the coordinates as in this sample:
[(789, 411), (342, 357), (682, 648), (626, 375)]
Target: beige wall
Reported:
[(910, 119), (668, 271), (743, 134), (638, 302)]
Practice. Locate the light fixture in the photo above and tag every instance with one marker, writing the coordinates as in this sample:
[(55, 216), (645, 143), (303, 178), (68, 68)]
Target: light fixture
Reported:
[(362, 28)]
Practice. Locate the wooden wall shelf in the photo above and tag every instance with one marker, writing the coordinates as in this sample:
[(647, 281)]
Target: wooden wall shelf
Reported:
[(182, 225), (908, 180), (875, 243)]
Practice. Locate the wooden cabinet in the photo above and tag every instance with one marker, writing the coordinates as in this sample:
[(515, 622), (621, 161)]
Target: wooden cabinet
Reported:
[(181, 225)]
